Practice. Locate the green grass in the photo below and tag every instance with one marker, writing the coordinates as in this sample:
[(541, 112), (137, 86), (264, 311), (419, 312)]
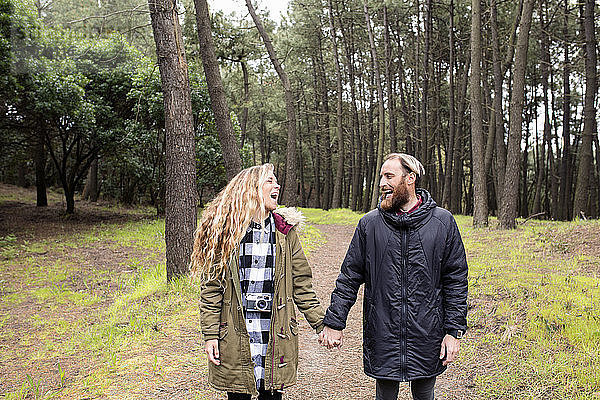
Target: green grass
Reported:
[(535, 310)]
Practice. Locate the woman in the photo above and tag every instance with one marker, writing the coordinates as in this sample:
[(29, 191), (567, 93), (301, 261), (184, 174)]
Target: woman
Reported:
[(252, 270)]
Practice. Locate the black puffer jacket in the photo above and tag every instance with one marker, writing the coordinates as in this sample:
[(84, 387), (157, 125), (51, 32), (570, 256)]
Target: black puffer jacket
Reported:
[(415, 274)]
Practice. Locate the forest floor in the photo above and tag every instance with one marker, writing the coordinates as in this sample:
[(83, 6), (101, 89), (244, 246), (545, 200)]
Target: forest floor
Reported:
[(85, 311)]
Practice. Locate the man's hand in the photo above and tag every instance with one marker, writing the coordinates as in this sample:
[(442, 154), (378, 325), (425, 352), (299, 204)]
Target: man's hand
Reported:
[(212, 351), (450, 349), (331, 337)]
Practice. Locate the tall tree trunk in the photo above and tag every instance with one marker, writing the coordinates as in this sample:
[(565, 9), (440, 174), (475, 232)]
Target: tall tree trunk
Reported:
[(356, 120), (369, 148), (544, 169), (497, 104), (325, 144), (291, 181), (555, 170), (218, 100), (582, 191), (317, 146), (451, 117), (510, 194), (428, 21), (565, 181), (244, 117), (380, 108), (500, 69), (480, 210), (457, 163), (388, 82), (524, 200), (180, 178), (337, 187)]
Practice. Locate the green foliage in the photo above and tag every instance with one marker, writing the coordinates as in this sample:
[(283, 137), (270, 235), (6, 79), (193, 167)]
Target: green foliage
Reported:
[(98, 94)]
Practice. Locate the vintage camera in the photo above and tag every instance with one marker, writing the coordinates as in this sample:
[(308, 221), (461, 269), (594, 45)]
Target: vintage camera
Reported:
[(258, 302)]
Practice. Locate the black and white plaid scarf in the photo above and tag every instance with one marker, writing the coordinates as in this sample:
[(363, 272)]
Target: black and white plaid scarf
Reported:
[(257, 260)]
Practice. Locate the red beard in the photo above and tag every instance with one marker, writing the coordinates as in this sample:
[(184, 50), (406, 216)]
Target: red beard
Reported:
[(400, 197)]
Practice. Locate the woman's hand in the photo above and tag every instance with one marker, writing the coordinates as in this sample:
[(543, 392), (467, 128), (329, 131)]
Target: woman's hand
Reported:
[(212, 351)]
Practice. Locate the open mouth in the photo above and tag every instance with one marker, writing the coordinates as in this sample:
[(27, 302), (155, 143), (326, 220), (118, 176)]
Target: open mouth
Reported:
[(387, 193), (274, 195)]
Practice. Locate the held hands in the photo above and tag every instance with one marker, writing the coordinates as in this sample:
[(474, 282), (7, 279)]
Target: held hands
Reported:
[(449, 350), (331, 338), (212, 351)]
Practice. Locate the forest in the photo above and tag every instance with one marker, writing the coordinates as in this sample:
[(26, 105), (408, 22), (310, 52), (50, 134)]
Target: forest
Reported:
[(498, 99), (120, 120)]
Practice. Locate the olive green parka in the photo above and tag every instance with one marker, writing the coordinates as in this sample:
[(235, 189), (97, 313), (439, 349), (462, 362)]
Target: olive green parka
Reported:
[(222, 316)]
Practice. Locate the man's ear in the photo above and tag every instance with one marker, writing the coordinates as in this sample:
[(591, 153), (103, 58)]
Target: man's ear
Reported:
[(411, 178)]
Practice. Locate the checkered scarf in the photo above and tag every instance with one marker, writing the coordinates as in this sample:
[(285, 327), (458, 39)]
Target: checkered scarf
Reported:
[(257, 260)]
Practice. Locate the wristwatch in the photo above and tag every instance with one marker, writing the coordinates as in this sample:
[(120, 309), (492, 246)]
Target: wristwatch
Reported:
[(457, 333)]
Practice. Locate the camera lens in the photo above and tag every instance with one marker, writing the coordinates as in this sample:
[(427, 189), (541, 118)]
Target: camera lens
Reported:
[(261, 304)]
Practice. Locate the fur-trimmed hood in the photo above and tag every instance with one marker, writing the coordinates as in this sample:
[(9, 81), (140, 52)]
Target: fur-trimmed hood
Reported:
[(288, 217)]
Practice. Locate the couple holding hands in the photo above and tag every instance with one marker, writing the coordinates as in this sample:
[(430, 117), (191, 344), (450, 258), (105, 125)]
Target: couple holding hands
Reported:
[(252, 271)]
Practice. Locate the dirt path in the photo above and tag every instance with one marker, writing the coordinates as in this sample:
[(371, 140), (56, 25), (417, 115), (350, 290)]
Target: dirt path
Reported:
[(338, 374)]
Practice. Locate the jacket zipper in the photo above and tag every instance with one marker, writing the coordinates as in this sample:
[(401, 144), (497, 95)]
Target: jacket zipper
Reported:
[(273, 309), (403, 336)]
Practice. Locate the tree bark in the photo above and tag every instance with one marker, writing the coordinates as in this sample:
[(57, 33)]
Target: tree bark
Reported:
[(510, 194), (565, 181), (380, 108), (497, 104), (356, 120), (337, 187), (480, 210), (582, 191), (388, 82), (291, 181), (180, 177), (451, 117), (244, 116), (544, 169), (325, 143), (218, 100), (424, 154), (317, 142), (457, 165)]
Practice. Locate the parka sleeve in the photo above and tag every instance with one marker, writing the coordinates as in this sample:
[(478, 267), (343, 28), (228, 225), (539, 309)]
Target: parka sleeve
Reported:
[(454, 280), (304, 295), (211, 303), (352, 275)]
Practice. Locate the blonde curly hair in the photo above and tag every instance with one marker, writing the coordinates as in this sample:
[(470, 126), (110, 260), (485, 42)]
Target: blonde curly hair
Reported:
[(224, 222)]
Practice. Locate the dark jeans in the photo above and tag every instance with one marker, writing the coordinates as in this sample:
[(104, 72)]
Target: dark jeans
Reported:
[(262, 395), (421, 389)]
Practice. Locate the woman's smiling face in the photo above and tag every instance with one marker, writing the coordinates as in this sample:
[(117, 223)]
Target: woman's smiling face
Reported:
[(270, 192)]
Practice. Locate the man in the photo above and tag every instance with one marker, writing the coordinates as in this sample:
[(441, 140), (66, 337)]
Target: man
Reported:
[(409, 254)]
